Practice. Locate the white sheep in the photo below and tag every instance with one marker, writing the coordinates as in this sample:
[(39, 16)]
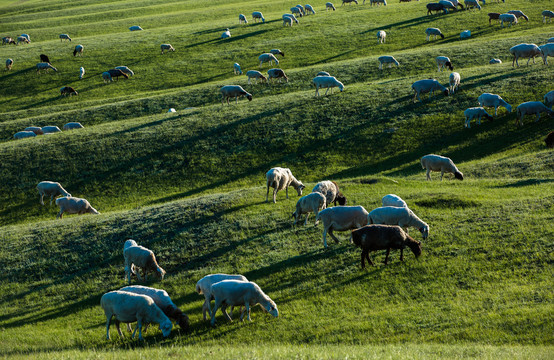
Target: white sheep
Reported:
[(296, 10), (524, 51), (488, 99), (74, 205), (107, 77), (433, 32), (301, 9), (328, 82), (381, 37), (444, 61), (307, 204), (45, 66), (258, 15), (281, 178), (255, 74), (26, 36), (377, 2), (518, 14), (401, 216), (387, 59), (341, 218), (78, 50), (547, 14), (236, 69), (428, 86), (50, 129), (532, 108), (454, 82), (508, 18), (548, 99), (440, 163), (242, 19), (22, 39), (330, 189), (23, 134), (236, 91), (466, 34), (166, 47), (277, 74), (52, 189), (129, 307), (277, 52), (475, 112), (72, 126), (329, 6), (137, 256), (495, 61), (393, 200), (472, 4), (204, 287), (323, 73), (240, 293), (349, 2), (309, 8), (268, 57), (135, 28), (81, 72), (546, 51), (289, 18), (36, 129), (125, 70), (64, 37), (448, 5), (226, 34)]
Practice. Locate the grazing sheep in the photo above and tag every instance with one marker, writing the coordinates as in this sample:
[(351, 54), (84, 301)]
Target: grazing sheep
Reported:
[(322, 73), (508, 18), (163, 301), (443, 61), (435, 7), (9, 63), (45, 66), (524, 51), (387, 59), (242, 19), (349, 2), (44, 58), (106, 77), (472, 4), (532, 108), (22, 39), (546, 51), (129, 307), (125, 70), (428, 86), (24, 134), (258, 15), (495, 61), (493, 16), (116, 73), (457, 3), (377, 2), (268, 57), (454, 82), (518, 14), (73, 126), (330, 190), (277, 52), (50, 129), (137, 256), (341, 218), (229, 91), (297, 11), (52, 189), (73, 205), (288, 19), (277, 74), (433, 32), (466, 34), (547, 14), (328, 82), (166, 47), (226, 34), (68, 90), (383, 237), (329, 6), (8, 40), (64, 37), (475, 112), (81, 72), (204, 287), (240, 293), (401, 216), (135, 28), (78, 50), (255, 74), (381, 37), (309, 8), (236, 69), (393, 200), (37, 130), (548, 99), (307, 204), (550, 140), (448, 5), (281, 178), (488, 99), (440, 163)]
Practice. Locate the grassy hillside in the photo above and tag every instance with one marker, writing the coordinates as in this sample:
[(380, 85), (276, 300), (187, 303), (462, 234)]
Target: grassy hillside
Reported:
[(190, 185)]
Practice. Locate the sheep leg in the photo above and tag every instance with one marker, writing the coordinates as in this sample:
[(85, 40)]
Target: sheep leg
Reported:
[(274, 195), (387, 256), (267, 193), (108, 318), (117, 327), (129, 327), (224, 311), (214, 310), (442, 173), (402, 254), (60, 214), (247, 308), (429, 174), (333, 236), (41, 199), (306, 221), (325, 238)]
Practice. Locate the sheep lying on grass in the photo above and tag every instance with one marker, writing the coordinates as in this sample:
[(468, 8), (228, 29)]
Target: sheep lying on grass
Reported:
[(73, 126), (387, 59), (24, 134), (236, 91), (73, 205), (341, 218), (532, 108), (475, 112), (466, 34), (50, 129), (428, 86), (37, 130), (137, 256), (488, 99), (440, 163), (226, 34), (383, 237), (495, 61), (330, 190), (52, 189), (328, 82), (135, 28), (281, 178), (307, 204), (401, 216), (204, 287), (524, 51), (393, 200)]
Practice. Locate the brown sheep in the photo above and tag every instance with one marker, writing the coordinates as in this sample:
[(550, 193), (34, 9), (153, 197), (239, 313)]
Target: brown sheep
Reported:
[(550, 140), (68, 90), (493, 16), (116, 73)]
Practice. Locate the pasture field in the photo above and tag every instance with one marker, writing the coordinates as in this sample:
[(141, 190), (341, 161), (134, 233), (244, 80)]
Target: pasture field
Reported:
[(190, 185)]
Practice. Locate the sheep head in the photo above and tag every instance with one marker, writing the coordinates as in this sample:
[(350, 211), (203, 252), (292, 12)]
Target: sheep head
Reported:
[(249, 96), (299, 189), (446, 92), (414, 245), (271, 308), (424, 231), (458, 175)]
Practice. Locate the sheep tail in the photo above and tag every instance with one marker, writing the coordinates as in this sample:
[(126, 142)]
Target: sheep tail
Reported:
[(198, 289)]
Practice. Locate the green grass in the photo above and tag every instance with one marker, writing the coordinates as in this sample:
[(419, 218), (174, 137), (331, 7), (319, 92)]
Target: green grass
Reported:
[(190, 185)]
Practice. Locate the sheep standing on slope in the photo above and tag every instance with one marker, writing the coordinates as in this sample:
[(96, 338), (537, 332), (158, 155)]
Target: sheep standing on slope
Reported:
[(166, 47), (401, 216), (116, 73), (518, 14), (64, 37), (78, 50), (493, 16), (268, 57), (81, 72), (330, 190), (296, 11), (329, 6), (328, 82), (387, 59), (125, 70), (258, 15), (137, 256), (443, 164), (277, 74), (381, 36), (242, 19), (240, 293), (307, 204), (73, 126), (277, 52), (8, 40), (475, 112), (22, 39), (549, 98), (24, 134), (255, 74), (341, 218), (288, 19), (281, 178), (427, 86), (73, 205), (309, 9), (473, 4), (454, 82), (236, 91), (9, 63), (377, 2), (68, 90), (546, 51), (383, 237), (532, 108), (434, 32), (448, 5), (45, 66), (393, 200), (37, 130), (524, 51), (128, 307), (236, 69), (488, 99), (443, 61), (436, 7), (204, 287), (547, 14), (507, 18)]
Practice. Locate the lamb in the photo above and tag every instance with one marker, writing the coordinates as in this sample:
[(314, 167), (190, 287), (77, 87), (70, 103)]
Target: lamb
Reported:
[(349, 2), (548, 99), (329, 6), (427, 86), (255, 74), (383, 237), (240, 293), (381, 37), (226, 34), (9, 63), (443, 164), (341, 218), (267, 57), (50, 129), (277, 52), (307, 204), (546, 51), (466, 34), (135, 28), (443, 61), (78, 50), (435, 7), (52, 189), (328, 82), (547, 14), (330, 190), (281, 178), (242, 19), (518, 14), (44, 58), (37, 130), (81, 72), (204, 287), (236, 69), (495, 61), (508, 18), (309, 8), (258, 15), (24, 134), (295, 10), (387, 59), (45, 66), (106, 77), (393, 200), (68, 90), (163, 301), (73, 125), (8, 40), (166, 47), (401, 216), (64, 37), (475, 112), (116, 73), (137, 256), (472, 4), (433, 32), (277, 74), (532, 108), (228, 91), (524, 51), (129, 307), (454, 82), (125, 70), (493, 16), (22, 39), (488, 99), (288, 19), (74, 205), (550, 140)]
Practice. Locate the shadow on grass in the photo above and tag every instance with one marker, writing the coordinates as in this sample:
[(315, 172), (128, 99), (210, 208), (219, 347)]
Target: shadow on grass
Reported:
[(527, 182)]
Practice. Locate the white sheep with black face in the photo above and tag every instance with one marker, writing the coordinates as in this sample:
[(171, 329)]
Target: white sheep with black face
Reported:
[(440, 163)]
